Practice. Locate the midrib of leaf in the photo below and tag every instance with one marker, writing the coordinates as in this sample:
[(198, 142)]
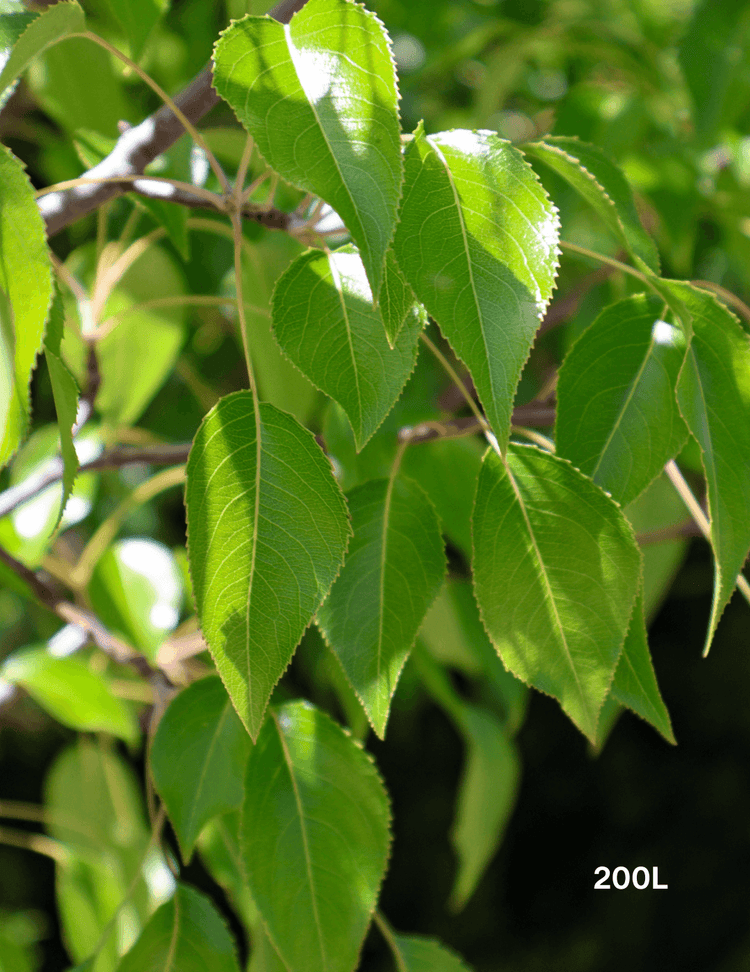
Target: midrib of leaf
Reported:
[(292, 51), (256, 518), (480, 317), (339, 290), (211, 748), (547, 585), (303, 829), (175, 931), (383, 554), (628, 400)]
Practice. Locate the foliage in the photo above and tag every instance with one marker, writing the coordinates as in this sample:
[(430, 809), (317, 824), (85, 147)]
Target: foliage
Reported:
[(351, 360)]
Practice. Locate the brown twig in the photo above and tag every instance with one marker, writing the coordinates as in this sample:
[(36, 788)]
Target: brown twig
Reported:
[(161, 455), (139, 146)]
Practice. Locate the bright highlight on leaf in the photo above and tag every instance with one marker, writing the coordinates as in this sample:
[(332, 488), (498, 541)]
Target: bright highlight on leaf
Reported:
[(324, 321), (617, 415), (601, 183), (319, 96), (198, 759), (25, 296), (714, 397), (477, 242), (267, 531), (393, 571), (315, 836), (556, 572)]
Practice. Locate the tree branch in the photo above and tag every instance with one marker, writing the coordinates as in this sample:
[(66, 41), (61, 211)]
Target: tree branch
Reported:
[(139, 146), (52, 472)]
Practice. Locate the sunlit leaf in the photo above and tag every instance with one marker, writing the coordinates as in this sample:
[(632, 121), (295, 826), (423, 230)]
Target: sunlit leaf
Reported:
[(634, 683), (617, 415), (25, 296), (714, 397), (601, 183), (186, 934), (198, 759), (477, 242), (315, 835), (319, 97), (556, 572), (48, 28), (393, 570), (71, 692), (396, 298), (267, 531), (324, 320)]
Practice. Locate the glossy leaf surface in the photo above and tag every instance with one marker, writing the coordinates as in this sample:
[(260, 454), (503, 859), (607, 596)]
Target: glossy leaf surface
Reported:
[(597, 179), (267, 531), (48, 28), (477, 242), (634, 684), (556, 572), (324, 320), (25, 296), (198, 759), (393, 570), (319, 97), (71, 692), (315, 834), (714, 397), (186, 934), (617, 414)]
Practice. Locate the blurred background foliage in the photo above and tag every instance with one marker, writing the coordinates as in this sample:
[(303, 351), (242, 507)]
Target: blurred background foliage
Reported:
[(664, 87)]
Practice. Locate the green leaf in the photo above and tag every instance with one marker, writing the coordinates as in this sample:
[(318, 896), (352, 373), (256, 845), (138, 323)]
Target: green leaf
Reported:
[(25, 296), (57, 22), (14, 19), (137, 19), (136, 590), (714, 397), (486, 797), (65, 394), (417, 953), (477, 241), (634, 684), (454, 636), (713, 58), (447, 470), (315, 835), (219, 849), (319, 96), (602, 185), (267, 532), (617, 415), (198, 759), (349, 357), (71, 692), (658, 508), (185, 934), (393, 571), (556, 571), (397, 299)]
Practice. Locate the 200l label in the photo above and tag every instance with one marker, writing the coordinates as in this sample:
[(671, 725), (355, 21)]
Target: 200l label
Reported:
[(621, 879)]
